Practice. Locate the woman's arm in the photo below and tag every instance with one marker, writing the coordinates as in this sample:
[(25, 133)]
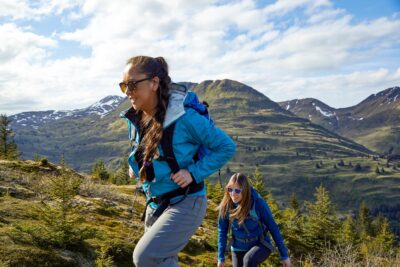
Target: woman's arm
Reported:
[(267, 219), (222, 148), (223, 227)]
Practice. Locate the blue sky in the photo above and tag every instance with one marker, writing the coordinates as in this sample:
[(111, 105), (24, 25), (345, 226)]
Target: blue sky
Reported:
[(68, 54)]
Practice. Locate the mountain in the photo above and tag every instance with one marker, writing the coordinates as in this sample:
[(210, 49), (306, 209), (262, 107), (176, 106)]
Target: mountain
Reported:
[(372, 123), (313, 110), (292, 153), (35, 119)]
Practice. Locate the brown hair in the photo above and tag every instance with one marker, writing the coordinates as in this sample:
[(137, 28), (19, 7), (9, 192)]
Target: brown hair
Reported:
[(226, 205), (154, 125)]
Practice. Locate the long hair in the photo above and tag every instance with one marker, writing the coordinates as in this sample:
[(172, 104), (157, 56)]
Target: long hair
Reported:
[(154, 125), (226, 206)]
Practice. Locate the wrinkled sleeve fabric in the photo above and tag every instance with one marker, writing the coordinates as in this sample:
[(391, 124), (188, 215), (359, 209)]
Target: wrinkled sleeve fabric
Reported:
[(267, 219), (223, 227), (222, 148)]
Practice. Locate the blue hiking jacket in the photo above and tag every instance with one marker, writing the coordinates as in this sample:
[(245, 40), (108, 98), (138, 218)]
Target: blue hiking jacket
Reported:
[(264, 214), (191, 131)]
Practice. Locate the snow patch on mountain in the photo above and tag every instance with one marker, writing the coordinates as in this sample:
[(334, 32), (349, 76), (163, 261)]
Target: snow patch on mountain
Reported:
[(325, 113), (35, 119)]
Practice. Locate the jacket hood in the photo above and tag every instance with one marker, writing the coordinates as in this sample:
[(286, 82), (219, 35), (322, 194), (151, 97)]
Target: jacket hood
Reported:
[(175, 107)]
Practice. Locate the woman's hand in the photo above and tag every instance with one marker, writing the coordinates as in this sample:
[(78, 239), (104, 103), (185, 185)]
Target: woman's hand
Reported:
[(131, 173), (221, 264), (286, 263), (183, 178)]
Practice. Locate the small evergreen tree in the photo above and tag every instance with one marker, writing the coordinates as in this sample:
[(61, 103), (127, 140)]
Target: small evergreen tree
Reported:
[(347, 234), (321, 224), (218, 193), (358, 168), (364, 221), (61, 225), (384, 240), (294, 204), (8, 148), (121, 177), (36, 157), (99, 171), (257, 181)]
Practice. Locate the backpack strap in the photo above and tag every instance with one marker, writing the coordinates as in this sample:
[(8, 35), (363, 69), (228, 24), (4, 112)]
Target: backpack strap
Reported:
[(166, 145)]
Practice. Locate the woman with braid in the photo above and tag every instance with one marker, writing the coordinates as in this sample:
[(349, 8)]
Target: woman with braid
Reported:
[(166, 134)]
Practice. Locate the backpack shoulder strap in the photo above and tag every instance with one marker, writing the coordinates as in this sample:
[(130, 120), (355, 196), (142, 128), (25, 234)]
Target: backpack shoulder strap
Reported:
[(166, 145)]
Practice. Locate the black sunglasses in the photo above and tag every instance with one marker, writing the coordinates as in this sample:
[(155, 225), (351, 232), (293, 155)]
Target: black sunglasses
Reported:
[(131, 85)]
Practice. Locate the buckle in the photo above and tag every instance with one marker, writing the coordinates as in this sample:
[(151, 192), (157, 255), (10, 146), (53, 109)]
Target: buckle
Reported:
[(156, 200)]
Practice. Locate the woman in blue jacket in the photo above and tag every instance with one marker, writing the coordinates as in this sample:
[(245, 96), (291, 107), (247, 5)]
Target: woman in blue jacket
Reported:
[(249, 217), (166, 134)]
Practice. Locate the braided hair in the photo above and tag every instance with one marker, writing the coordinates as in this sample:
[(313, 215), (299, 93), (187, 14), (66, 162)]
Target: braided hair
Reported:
[(152, 126)]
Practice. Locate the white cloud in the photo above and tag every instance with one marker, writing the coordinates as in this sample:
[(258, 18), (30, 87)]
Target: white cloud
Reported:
[(20, 46), (318, 45), (26, 10)]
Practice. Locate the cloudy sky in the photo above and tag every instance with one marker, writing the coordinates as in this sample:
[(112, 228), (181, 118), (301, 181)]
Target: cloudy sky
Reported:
[(68, 54)]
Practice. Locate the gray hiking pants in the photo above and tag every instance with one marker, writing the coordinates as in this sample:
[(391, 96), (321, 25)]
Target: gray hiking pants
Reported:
[(167, 235)]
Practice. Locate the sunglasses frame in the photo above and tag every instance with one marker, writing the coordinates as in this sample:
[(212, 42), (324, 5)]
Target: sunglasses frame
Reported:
[(131, 85), (234, 190)]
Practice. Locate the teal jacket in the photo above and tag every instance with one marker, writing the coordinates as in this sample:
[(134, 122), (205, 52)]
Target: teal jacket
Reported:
[(191, 131)]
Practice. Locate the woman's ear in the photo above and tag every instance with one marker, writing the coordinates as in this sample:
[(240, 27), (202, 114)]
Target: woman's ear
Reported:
[(156, 82)]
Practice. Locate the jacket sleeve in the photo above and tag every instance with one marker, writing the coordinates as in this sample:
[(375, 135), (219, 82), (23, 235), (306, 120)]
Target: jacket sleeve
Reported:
[(222, 147), (267, 219), (223, 227)]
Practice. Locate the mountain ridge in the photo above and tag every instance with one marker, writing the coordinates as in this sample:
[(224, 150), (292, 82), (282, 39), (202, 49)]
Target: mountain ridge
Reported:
[(373, 122)]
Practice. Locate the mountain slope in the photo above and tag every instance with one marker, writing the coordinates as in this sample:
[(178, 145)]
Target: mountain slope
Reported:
[(374, 122), (284, 147), (35, 119)]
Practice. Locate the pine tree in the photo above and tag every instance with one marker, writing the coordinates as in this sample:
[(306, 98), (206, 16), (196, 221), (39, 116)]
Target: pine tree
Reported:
[(62, 225), (321, 224), (294, 204), (257, 181), (36, 157), (99, 171), (293, 225), (364, 221), (121, 177), (347, 234), (358, 167), (385, 239), (218, 193), (8, 148)]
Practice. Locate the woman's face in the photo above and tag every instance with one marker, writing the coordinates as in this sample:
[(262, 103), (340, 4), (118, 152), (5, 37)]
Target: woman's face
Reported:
[(235, 192), (144, 95)]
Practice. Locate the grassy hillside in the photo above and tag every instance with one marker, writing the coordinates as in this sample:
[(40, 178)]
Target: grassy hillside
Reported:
[(101, 225), (105, 211)]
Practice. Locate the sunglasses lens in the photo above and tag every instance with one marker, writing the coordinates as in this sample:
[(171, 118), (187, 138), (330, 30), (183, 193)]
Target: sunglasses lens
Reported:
[(122, 86), (234, 190), (131, 86)]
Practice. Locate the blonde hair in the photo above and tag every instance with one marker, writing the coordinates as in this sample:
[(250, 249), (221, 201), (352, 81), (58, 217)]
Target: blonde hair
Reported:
[(226, 206)]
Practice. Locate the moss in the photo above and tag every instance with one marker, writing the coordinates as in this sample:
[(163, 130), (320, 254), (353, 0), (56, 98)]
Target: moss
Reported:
[(17, 255)]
